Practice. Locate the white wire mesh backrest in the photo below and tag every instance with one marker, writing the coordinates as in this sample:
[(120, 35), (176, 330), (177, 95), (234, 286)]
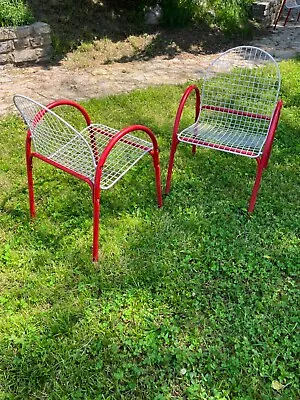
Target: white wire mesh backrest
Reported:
[(55, 138), (292, 4), (245, 79)]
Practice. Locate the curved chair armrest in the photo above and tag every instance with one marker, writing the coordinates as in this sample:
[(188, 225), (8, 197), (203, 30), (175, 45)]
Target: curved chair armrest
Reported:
[(273, 127), (183, 100), (63, 102), (66, 102), (113, 142)]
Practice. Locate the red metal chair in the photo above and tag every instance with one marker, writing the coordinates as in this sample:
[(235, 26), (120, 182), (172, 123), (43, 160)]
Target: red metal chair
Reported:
[(98, 155), (290, 5), (238, 111)]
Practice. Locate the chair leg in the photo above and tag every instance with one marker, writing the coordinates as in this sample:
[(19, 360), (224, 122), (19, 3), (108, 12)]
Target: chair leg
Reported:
[(155, 157), (29, 177), (287, 17), (298, 17), (279, 13), (96, 222), (266, 163), (171, 163), (260, 167), (194, 149)]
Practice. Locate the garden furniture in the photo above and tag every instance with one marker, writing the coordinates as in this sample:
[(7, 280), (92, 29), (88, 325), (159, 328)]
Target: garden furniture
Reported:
[(97, 154), (236, 111), (290, 5)]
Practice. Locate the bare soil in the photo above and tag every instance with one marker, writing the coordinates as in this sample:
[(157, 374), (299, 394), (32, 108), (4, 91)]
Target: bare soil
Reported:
[(106, 66)]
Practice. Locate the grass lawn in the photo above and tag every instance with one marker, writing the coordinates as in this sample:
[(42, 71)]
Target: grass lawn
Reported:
[(197, 300)]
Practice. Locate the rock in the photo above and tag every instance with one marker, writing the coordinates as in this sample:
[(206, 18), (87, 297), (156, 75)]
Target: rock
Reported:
[(154, 15), (7, 33), (25, 55), (28, 43), (6, 47)]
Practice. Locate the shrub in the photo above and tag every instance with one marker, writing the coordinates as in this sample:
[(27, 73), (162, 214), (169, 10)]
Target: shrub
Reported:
[(230, 16), (14, 13), (180, 12)]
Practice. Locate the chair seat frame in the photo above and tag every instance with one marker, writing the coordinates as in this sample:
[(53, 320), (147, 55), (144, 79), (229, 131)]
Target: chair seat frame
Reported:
[(95, 183)]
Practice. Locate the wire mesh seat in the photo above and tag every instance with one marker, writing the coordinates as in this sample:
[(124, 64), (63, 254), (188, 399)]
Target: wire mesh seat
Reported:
[(238, 110), (97, 154), (290, 5)]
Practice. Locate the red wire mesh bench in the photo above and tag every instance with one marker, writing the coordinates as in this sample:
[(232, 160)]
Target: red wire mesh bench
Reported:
[(98, 154), (238, 110)]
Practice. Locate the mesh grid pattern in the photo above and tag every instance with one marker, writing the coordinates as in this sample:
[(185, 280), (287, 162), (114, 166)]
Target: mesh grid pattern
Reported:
[(292, 4), (57, 140), (238, 98), (126, 152)]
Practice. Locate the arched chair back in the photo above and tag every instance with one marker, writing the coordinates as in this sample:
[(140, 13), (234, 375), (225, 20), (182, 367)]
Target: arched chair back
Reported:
[(54, 138), (238, 98)]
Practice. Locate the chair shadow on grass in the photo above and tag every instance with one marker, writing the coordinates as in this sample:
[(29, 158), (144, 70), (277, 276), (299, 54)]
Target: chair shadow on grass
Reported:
[(177, 270), (178, 264)]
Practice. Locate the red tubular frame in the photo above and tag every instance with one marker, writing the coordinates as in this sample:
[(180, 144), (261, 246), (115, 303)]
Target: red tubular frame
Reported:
[(95, 186), (287, 16), (279, 14), (236, 112), (97, 190), (262, 161), (175, 140)]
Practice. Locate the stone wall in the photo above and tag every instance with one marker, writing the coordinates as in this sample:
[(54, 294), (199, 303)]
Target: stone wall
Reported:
[(23, 44), (266, 11)]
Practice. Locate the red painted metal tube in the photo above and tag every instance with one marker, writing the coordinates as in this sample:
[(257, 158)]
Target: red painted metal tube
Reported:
[(97, 189), (29, 174), (175, 140), (96, 222), (236, 112), (279, 13), (111, 135), (112, 143), (271, 135), (65, 102), (219, 147), (63, 168), (263, 161), (287, 17)]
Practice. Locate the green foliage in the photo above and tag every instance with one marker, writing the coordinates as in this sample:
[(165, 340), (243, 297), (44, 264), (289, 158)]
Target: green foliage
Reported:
[(197, 300), (14, 13), (180, 12), (131, 5), (229, 16)]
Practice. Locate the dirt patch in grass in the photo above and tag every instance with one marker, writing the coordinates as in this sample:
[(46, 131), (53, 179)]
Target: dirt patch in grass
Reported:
[(144, 46), (86, 32)]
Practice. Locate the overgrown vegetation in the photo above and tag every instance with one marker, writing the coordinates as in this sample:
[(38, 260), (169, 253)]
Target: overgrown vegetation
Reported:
[(229, 16), (14, 13), (195, 301), (84, 21)]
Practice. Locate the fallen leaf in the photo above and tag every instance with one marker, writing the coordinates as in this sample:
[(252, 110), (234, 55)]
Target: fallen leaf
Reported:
[(277, 386)]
